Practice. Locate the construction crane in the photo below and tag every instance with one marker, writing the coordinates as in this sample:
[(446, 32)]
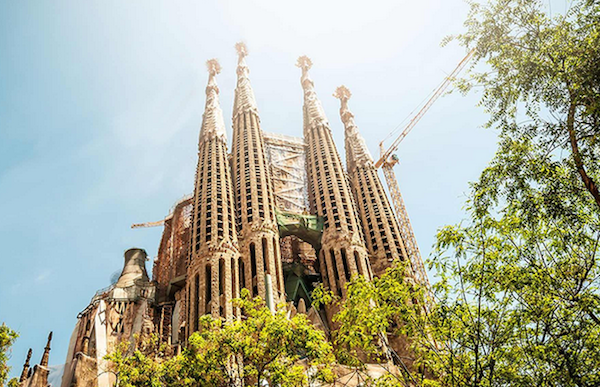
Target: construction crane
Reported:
[(388, 160), (148, 224)]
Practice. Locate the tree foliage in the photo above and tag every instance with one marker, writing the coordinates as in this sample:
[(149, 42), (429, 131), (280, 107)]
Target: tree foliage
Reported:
[(7, 338), (263, 347), (519, 301), (517, 282)]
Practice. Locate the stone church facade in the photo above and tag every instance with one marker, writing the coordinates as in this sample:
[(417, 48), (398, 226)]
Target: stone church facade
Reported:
[(276, 215)]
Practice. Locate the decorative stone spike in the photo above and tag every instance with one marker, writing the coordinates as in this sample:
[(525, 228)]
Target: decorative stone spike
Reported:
[(26, 367), (46, 354), (313, 110), (357, 152), (213, 125)]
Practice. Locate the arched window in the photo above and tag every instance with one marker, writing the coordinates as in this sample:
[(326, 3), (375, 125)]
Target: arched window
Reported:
[(234, 281), (221, 286), (335, 272), (208, 291), (196, 302), (345, 264), (265, 256), (253, 259), (253, 280), (277, 262), (357, 260), (242, 272)]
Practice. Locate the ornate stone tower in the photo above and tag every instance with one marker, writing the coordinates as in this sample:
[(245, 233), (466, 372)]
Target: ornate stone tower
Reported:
[(260, 266), (212, 271), (38, 375), (380, 226), (343, 252)]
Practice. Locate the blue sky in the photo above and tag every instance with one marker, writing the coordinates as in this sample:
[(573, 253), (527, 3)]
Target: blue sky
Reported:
[(101, 105)]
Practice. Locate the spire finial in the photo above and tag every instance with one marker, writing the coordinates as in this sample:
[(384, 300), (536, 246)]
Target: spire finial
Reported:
[(357, 153), (212, 123), (26, 366), (304, 63), (214, 67), (342, 93), (46, 354), (313, 110), (244, 95), (241, 49)]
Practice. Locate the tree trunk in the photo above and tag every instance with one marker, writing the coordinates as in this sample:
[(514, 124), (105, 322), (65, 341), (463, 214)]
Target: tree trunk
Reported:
[(589, 183)]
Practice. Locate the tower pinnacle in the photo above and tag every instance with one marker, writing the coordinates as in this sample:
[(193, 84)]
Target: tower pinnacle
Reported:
[(46, 354), (357, 153), (244, 95), (26, 367), (313, 110), (213, 125)]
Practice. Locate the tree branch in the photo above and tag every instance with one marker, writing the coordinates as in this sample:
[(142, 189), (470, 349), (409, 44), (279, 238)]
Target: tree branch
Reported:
[(589, 183)]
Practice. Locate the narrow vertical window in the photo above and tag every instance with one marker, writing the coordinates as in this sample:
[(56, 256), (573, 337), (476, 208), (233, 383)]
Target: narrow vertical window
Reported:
[(208, 290), (196, 302), (276, 260), (221, 286), (335, 272), (265, 255), (358, 266), (253, 269), (345, 264), (242, 272), (234, 282), (253, 259)]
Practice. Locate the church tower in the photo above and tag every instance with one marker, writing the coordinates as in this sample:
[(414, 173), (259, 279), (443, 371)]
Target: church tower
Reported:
[(260, 266), (211, 275), (380, 227), (343, 252)]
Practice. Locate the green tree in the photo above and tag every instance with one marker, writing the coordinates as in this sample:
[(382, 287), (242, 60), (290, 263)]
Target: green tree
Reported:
[(7, 338), (262, 347), (375, 319), (517, 282), (519, 301)]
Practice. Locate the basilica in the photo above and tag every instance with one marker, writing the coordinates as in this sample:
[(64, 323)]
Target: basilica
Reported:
[(274, 214)]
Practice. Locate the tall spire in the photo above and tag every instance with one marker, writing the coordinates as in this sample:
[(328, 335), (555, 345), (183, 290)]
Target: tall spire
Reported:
[(26, 367), (313, 110), (212, 120), (357, 153), (260, 265), (380, 227), (244, 95), (343, 253), (46, 355)]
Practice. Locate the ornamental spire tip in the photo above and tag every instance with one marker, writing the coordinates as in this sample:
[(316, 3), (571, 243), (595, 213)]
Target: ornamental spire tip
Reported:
[(304, 63), (241, 49), (214, 67), (342, 93)]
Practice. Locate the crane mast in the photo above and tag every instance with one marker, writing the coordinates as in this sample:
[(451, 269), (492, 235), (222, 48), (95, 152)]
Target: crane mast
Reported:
[(388, 160)]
